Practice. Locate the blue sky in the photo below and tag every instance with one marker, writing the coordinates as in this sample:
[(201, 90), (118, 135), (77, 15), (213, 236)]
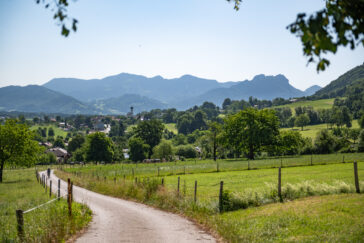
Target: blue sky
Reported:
[(205, 38)]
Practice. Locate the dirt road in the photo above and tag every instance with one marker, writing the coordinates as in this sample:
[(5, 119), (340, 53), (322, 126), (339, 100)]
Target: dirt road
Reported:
[(118, 220)]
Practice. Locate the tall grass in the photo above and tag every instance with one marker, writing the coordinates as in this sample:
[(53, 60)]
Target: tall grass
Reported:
[(49, 223)]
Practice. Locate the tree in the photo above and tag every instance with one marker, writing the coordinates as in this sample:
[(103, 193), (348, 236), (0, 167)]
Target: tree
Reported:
[(138, 150), (99, 147), (251, 129), (354, 134), (150, 132), (214, 132), (361, 141), (340, 23), (325, 142), (187, 151), (50, 132), (163, 150), (361, 122), (290, 142), (226, 103), (302, 120), (76, 143), (17, 146), (59, 143)]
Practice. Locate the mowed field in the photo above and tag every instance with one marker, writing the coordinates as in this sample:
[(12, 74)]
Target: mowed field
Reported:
[(57, 131), (50, 223), (311, 131), (316, 104)]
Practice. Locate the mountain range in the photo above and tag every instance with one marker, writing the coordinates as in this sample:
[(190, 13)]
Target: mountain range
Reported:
[(116, 94)]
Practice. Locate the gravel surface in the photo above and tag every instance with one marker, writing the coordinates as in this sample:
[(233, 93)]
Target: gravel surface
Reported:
[(118, 220)]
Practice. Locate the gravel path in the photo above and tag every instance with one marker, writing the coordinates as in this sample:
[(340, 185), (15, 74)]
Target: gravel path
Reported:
[(118, 220)]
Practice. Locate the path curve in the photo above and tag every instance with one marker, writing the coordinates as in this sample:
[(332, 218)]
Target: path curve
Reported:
[(118, 220)]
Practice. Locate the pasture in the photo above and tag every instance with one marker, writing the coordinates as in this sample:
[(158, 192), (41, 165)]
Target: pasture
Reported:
[(316, 104), (50, 223), (57, 131)]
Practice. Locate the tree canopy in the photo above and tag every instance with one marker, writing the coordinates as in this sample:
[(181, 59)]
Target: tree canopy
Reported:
[(99, 147), (17, 146)]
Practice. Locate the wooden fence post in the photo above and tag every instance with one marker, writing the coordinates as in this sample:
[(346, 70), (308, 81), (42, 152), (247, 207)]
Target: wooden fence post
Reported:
[(162, 181), (50, 188), (59, 189), (71, 192), (279, 185), (20, 224), (46, 186), (158, 171), (195, 195), (69, 197), (184, 188), (136, 180), (356, 177), (178, 185), (114, 180), (281, 161), (132, 171), (220, 196)]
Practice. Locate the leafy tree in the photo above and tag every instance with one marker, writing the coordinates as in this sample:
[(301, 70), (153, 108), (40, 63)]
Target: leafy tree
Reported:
[(250, 130), (138, 150), (186, 151), (302, 120), (78, 155), (214, 133), (325, 142), (354, 134), (99, 147), (290, 142), (76, 143), (59, 143), (340, 23), (150, 132), (361, 122), (361, 141), (17, 146), (50, 132), (226, 103), (163, 150)]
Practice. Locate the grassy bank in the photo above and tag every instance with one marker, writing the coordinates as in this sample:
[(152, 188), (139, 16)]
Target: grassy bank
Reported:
[(333, 218), (50, 223)]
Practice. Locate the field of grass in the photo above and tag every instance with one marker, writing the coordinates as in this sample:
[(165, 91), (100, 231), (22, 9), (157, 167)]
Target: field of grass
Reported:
[(57, 131), (246, 189), (208, 166), (171, 127), (50, 223), (316, 104), (333, 218), (311, 131)]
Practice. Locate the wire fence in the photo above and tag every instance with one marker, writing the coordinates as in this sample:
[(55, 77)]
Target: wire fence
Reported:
[(45, 181)]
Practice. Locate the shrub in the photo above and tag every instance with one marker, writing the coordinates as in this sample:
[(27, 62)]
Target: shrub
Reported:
[(187, 151)]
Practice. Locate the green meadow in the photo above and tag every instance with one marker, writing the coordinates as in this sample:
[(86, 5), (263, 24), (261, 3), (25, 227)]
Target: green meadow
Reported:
[(316, 104), (57, 131)]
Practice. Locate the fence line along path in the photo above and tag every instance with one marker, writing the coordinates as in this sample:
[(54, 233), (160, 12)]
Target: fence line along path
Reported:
[(118, 220)]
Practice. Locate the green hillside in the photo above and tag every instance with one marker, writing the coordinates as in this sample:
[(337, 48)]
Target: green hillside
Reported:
[(344, 85)]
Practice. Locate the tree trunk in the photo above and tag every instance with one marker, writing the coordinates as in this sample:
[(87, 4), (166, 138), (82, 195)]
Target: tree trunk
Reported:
[(251, 153), (1, 172), (215, 150)]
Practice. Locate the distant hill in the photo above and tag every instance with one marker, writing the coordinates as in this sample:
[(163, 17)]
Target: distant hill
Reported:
[(34, 98), (261, 87), (164, 90), (311, 90), (181, 93), (343, 85), (122, 104)]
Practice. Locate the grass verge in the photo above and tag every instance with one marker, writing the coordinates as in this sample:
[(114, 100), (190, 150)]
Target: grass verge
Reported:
[(50, 223)]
